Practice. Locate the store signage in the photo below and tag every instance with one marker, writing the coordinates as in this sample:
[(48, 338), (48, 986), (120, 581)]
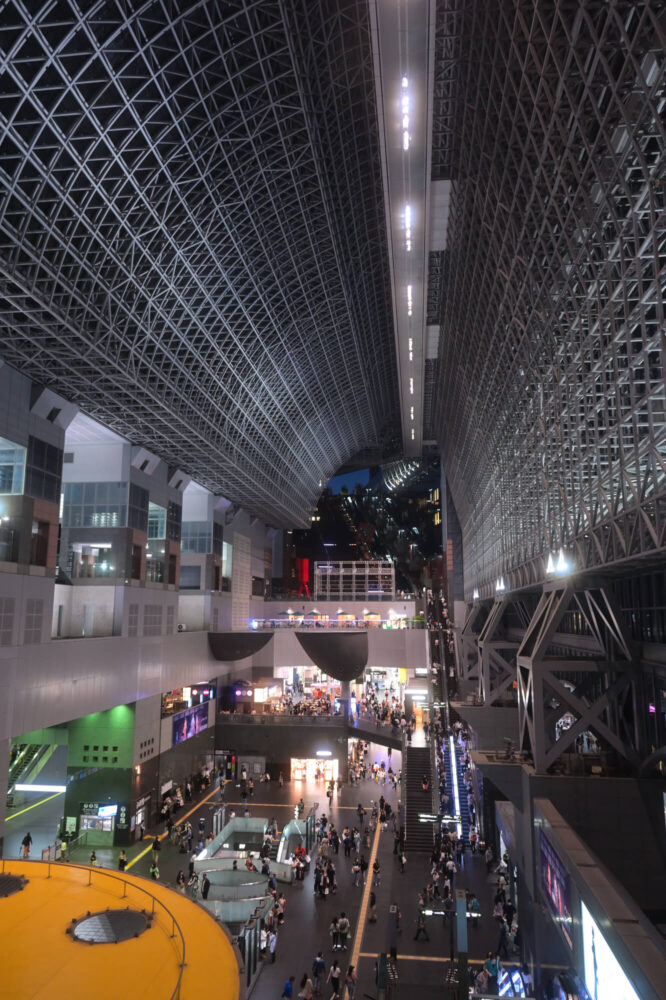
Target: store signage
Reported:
[(90, 808), (122, 818), (555, 886)]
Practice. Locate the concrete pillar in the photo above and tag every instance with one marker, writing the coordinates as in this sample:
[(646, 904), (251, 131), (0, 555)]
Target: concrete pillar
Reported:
[(345, 699)]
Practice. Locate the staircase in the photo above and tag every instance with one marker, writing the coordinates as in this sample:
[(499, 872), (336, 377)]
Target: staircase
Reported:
[(418, 836)]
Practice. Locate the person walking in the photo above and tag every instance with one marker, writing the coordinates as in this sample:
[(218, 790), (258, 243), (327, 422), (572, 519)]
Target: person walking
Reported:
[(372, 909), (307, 989), (318, 970), (288, 988), (156, 848), (154, 871), (350, 981), (343, 928), (122, 861), (180, 881), (272, 945), (492, 965), (376, 870), (421, 927), (334, 931), (334, 974), (402, 859), (205, 886), (26, 844)]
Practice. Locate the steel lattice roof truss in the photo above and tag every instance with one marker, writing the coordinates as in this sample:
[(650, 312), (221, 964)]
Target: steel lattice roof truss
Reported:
[(551, 405), (192, 241)]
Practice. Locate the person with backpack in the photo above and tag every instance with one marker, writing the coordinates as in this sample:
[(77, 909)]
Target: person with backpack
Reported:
[(343, 929), (26, 844)]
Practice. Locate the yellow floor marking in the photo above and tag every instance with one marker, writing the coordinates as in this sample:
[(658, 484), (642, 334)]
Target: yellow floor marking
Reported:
[(360, 927), (34, 806), (161, 836), (436, 958)]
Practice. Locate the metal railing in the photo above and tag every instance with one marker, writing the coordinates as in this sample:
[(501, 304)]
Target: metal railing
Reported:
[(175, 926)]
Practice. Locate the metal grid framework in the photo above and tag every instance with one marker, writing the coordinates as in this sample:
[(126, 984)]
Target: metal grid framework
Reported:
[(192, 235), (550, 406)]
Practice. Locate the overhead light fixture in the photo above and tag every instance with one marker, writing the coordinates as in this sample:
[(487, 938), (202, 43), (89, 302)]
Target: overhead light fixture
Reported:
[(500, 585), (475, 595), (20, 787), (412, 433), (324, 753), (409, 300)]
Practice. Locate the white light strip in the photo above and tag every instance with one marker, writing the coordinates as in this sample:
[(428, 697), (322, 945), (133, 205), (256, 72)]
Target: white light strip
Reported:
[(409, 300), (40, 788), (454, 774)]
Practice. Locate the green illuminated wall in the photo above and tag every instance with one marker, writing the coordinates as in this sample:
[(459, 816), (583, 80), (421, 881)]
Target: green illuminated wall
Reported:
[(102, 739)]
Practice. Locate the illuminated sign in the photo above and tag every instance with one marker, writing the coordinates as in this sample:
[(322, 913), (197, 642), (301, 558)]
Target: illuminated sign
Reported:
[(555, 886)]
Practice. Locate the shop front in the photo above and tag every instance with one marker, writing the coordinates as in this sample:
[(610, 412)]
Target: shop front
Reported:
[(104, 825), (314, 769)]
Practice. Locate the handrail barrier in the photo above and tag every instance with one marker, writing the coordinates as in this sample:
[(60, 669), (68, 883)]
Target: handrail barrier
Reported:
[(175, 926)]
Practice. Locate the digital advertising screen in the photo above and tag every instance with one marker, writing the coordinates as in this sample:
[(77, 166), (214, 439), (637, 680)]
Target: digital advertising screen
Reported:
[(604, 976), (188, 724), (555, 885)]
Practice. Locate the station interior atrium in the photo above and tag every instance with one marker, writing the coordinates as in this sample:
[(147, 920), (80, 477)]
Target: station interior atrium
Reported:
[(333, 499)]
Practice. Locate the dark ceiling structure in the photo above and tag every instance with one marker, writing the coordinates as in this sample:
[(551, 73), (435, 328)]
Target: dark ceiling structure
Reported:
[(192, 233), (193, 248)]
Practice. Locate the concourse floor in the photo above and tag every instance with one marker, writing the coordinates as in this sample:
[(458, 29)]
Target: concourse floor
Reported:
[(306, 927)]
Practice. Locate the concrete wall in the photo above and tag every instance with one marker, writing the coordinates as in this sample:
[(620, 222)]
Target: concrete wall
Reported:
[(491, 724)]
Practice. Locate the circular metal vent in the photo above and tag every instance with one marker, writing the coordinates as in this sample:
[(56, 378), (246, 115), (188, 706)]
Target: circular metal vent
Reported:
[(109, 926), (9, 884)]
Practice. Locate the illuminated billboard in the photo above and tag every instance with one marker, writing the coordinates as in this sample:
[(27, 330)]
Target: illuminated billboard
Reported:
[(555, 886), (605, 978), (189, 723)]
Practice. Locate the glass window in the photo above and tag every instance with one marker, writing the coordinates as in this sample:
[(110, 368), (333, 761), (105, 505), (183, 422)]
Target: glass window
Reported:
[(43, 470), (138, 508), (12, 466), (156, 521), (90, 505), (174, 518), (195, 537)]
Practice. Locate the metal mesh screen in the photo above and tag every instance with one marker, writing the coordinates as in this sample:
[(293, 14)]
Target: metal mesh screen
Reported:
[(550, 402), (192, 241)]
